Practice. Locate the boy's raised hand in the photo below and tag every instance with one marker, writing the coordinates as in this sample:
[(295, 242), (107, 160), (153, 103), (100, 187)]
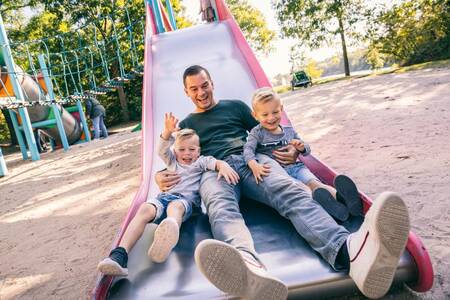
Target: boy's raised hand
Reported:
[(258, 170), (227, 172), (170, 125)]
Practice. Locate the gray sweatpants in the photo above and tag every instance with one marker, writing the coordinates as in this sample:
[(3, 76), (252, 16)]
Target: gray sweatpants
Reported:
[(279, 191)]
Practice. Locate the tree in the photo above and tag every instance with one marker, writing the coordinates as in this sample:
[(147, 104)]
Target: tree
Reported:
[(316, 22), (414, 31), (312, 69), (296, 58), (253, 25)]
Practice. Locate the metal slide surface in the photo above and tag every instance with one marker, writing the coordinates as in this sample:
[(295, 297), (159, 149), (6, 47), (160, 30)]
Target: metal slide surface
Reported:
[(284, 252)]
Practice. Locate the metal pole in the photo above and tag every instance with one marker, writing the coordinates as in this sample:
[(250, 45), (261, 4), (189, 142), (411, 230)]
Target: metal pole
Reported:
[(49, 85), (3, 169), (171, 14), (87, 135), (9, 61)]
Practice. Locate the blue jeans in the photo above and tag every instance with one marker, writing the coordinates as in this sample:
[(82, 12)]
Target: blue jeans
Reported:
[(279, 191), (99, 127), (300, 172)]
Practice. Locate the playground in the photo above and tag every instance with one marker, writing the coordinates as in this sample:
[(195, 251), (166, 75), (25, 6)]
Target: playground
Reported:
[(63, 211), (54, 233)]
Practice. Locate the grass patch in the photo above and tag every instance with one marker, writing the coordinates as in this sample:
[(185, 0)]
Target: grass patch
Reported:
[(395, 69), (281, 89)]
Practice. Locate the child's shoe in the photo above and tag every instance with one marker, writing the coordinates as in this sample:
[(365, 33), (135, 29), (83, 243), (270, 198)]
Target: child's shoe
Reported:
[(334, 208), (115, 264), (348, 193), (375, 249), (165, 239)]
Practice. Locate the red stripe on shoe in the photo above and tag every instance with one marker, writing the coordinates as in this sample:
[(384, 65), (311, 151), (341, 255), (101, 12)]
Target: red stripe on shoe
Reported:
[(360, 249)]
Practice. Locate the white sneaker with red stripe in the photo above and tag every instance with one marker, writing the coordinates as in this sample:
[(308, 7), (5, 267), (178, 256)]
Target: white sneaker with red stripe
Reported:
[(237, 273), (375, 249)]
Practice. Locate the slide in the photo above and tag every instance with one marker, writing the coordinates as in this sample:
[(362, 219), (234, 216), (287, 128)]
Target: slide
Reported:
[(221, 48), (33, 93)]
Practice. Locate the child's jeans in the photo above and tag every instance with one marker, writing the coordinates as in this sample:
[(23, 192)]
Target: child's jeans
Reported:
[(162, 201), (300, 172)]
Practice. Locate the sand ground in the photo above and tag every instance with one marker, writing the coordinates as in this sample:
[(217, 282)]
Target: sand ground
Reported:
[(59, 215)]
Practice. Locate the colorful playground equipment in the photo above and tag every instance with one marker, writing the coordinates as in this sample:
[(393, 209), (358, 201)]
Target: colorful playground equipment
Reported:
[(48, 95), (223, 50)]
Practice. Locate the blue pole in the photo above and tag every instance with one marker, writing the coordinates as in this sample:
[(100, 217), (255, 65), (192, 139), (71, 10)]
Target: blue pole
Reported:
[(171, 14), (158, 18), (48, 84), (7, 56), (23, 146), (3, 169), (83, 122)]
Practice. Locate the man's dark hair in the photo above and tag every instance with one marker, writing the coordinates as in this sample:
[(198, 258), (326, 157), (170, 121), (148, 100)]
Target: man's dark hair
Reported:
[(194, 70)]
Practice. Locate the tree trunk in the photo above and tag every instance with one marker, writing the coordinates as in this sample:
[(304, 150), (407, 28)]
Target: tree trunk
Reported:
[(123, 104), (122, 96), (12, 133), (344, 47)]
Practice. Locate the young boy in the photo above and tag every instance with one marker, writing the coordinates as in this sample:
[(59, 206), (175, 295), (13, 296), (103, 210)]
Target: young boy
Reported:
[(270, 135), (177, 203)]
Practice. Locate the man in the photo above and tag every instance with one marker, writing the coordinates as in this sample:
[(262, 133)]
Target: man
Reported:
[(230, 261)]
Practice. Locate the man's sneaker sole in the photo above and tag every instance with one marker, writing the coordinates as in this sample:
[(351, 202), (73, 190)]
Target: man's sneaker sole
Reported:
[(111, 267), (347, 188), (387, 227), (165, 239), (334, 208), (225, 268)]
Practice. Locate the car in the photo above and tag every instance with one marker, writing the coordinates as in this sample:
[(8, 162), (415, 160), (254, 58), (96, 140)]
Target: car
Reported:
[(302, 79)]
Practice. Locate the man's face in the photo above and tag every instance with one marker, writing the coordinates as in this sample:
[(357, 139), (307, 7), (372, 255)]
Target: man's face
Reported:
[(200, 89)]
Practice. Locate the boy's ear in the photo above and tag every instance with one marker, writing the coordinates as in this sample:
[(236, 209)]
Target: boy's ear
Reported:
[(253, 114), (281, 107), (186, 92)]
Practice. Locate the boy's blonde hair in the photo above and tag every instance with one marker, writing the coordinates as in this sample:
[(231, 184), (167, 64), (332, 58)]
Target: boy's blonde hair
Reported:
[(264, 95), (184, 134)]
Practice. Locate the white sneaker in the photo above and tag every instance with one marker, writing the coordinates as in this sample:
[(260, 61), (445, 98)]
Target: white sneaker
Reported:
[(375, 249), (231, 272), (111, 267), (165, 239)]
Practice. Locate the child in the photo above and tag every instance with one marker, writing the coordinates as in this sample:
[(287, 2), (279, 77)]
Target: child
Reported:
[(177, 203), (270, 135)]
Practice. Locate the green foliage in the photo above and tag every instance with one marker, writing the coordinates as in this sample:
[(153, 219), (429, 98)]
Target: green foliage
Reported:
[(414, 31), (374, 58), (312, 69), (4, 132), (316, 23), (180, 16), (253, 25)]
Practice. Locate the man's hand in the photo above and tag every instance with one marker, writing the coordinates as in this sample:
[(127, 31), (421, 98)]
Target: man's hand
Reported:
[(258, 170), (227, 172), (299, 145), (170, 125), (286, 155), (166, 180)]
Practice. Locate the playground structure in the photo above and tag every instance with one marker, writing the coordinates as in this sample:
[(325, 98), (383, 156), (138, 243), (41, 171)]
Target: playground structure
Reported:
[(49, 94), (222, 49)]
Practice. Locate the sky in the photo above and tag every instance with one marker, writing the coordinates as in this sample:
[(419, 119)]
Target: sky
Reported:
[(278, 61)]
